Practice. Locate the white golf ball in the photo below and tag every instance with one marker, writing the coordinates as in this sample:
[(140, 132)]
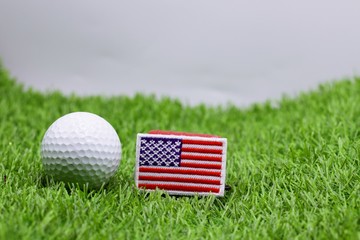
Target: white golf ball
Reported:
[(81, 148)]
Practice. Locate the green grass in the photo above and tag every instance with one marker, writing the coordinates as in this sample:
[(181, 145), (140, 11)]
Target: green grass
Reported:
[(294, 169)]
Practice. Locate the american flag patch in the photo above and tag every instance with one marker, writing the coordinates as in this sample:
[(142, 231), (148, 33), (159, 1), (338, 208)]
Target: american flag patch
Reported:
[(181, 163)]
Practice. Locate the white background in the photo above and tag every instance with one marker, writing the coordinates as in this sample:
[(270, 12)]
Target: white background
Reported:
[(199, 51)]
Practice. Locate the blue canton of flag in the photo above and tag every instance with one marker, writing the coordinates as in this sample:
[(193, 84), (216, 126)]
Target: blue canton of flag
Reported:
[(160, 152)]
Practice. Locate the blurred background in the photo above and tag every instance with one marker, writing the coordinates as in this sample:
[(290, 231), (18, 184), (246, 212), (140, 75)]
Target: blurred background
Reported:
[(199, 51)]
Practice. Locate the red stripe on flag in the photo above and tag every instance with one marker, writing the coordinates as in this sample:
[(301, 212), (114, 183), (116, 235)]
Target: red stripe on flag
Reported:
[(214, 173), (201, 142), (173, 187), (202, 150), (186, 156), (201, 165), (180, 179), (161, 132)]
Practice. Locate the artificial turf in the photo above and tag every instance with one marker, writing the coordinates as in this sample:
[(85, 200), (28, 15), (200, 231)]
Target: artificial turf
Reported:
[(293, 167)]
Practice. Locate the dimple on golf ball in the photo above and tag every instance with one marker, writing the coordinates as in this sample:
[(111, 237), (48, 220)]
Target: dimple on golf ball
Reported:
[(81, 148)]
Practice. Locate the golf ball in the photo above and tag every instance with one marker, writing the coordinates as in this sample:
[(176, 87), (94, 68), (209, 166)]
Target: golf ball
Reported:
[(81, 148)]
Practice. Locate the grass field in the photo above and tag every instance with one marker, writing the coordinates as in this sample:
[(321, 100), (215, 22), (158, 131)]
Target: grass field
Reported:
[(293, 169)]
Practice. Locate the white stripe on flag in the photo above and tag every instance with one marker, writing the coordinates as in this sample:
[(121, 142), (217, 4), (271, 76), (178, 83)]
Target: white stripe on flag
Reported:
[(200, 154), (180, 184), (202, 146), (201, 163)]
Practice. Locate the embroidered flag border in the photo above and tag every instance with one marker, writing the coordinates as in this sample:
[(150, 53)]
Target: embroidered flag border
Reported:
[(194, 179)]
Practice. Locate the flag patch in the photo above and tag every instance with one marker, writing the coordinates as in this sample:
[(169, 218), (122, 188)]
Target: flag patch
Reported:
[(181, 163)]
